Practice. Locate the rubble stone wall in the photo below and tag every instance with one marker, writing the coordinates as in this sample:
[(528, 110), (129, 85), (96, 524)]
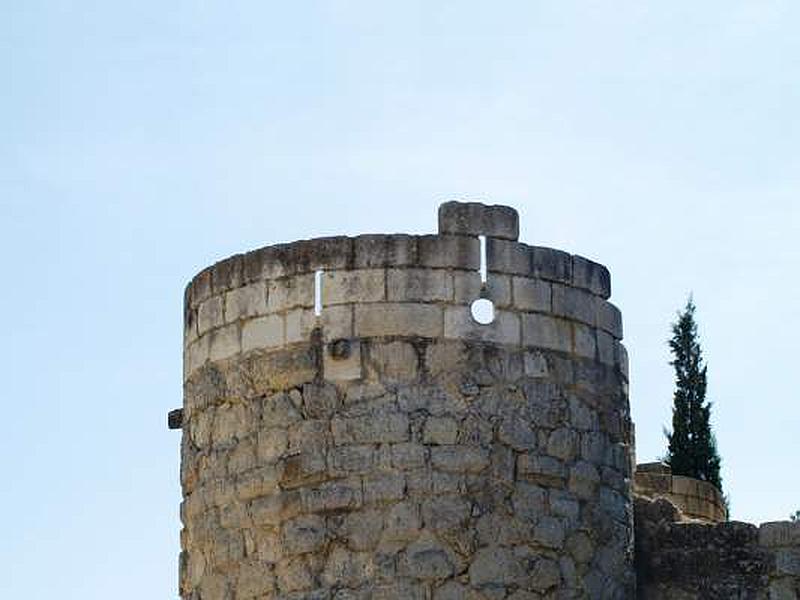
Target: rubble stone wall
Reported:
[(392, 447), (690, 560)]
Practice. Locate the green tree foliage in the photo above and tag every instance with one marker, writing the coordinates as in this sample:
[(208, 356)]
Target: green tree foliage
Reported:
[(795, 516), (692, 447)]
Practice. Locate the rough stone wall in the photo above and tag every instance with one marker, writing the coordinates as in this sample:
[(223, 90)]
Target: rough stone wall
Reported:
[(690, 560), (695, 499), (392, 447)]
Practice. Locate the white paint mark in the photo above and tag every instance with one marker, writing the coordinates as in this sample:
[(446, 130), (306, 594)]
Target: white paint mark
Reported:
[(482, 311), (318, 292), (484, 268)]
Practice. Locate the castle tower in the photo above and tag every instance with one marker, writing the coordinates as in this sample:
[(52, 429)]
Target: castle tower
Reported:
[(351, 431)]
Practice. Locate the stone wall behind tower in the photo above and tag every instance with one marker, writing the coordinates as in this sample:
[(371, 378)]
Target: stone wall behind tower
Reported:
[(392, 447)]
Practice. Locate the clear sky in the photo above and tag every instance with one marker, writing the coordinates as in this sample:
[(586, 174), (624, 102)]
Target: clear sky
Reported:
[(143, 140)]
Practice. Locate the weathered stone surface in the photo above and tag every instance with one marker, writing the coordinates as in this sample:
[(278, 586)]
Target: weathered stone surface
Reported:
[(507, 257), (474, 218), (263, 332), (448, 251), (458, 323), (398, 319), (544, 331), (247, 301), (678, 559), (426, 285), (532, 294), (364, 285), (391, 447), (591, 276), (552, 265)]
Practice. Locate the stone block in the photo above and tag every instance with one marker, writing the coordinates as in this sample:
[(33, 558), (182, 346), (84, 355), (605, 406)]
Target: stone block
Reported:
[(365, 285), (199, 288), (393, 362), (459, 458), (474, 218), (386, 428), (573, 303), (195, 355), (262, 332), (383, 487), (585, 341), (467, 287), (778, 534), (445, 512), (591, 276), (225, 342), (512, 258), (583, 480), (350, 460), (440, 430), (247, 301), (346, 569), (516, 433), (332, 496), (529, 501), (304, 256), (552, 265), (622, 359), (544, 470), (449, 251), (342, 368), (495, 566), (549, 532), (404, 319), (535, 364), (427, 559), (384, 251), (210, 314), (226, 274), (362, 530), (544, 331), (419, 285), (272, 445), (562, 443), (407, 455), (459, 324), (609, 318), (606, 348), (290, 292), (532, 294), (302, 534)]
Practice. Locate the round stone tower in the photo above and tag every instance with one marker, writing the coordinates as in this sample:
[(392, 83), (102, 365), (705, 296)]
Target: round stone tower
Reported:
[(351, 431)]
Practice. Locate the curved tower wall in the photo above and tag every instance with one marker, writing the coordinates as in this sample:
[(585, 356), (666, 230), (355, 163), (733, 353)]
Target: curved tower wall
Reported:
[(392, 447)]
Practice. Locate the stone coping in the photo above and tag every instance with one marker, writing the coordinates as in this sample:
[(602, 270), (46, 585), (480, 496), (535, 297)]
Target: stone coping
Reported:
[(696, 499)]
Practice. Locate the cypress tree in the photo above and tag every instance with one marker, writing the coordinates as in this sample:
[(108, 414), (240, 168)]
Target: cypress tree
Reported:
[(692, 447)]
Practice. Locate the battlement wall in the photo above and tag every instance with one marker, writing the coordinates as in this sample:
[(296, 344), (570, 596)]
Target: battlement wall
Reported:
[(403, 285), (713, 561), (696, 499)]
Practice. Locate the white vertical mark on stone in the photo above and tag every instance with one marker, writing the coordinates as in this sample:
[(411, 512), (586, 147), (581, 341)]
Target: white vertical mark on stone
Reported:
[(483, 268), (318, 292)]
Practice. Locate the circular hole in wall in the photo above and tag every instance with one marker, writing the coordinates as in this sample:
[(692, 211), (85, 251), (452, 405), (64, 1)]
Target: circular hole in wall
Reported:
[(483, 311)]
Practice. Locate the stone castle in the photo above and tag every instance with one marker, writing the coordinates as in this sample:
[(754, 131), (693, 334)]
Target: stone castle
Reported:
[(434, 417)]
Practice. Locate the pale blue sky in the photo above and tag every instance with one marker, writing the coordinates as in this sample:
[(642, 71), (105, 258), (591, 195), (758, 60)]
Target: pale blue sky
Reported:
[(143, 140)]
